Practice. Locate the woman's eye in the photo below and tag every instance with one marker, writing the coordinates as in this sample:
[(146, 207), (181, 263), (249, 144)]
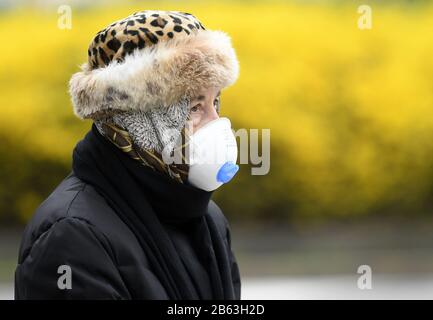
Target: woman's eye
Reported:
[(216, 103), (195, 108)]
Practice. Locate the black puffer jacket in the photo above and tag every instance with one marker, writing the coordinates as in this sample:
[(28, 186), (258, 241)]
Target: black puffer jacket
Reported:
[(75, 226)]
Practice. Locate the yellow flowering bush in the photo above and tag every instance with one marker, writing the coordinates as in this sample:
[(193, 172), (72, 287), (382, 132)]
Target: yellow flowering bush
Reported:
[(350, 111)]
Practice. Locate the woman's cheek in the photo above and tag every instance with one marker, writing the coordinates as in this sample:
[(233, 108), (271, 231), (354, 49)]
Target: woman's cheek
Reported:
[(196, 121), (193, 123)]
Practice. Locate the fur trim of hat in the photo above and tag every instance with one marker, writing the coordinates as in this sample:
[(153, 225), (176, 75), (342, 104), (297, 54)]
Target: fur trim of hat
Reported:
[(159, 68)]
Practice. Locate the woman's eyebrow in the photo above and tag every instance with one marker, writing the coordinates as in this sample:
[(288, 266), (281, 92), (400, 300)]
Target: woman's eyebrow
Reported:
[(200, 98)]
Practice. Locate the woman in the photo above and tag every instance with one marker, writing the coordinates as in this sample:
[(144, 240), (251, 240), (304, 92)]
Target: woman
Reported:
[(134, 219)]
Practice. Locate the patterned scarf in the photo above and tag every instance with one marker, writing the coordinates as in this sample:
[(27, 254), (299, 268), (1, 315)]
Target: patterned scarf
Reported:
[(122, 139)]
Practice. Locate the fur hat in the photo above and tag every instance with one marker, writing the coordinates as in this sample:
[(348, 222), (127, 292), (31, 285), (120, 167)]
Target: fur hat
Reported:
[(151, 59)]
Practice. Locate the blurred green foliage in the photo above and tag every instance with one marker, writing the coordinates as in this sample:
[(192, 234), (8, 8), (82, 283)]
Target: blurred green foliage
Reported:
[(350, 110)]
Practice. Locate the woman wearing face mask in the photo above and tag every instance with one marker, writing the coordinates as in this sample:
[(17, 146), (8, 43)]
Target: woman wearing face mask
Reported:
[(134, 219)]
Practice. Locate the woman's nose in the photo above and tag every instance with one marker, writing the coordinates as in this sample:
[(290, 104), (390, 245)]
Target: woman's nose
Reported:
[(212, 114)]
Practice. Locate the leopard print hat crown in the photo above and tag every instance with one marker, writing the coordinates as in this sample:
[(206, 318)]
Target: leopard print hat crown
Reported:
[(151, 59)]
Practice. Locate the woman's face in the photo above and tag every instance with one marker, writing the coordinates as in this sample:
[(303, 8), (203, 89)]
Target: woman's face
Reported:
[(204, 108)]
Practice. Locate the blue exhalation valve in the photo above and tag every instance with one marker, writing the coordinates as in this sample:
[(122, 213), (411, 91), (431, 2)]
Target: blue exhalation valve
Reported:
[(227, 172)]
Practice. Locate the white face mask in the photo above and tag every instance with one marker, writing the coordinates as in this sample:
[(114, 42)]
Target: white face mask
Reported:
[(212, 155)]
